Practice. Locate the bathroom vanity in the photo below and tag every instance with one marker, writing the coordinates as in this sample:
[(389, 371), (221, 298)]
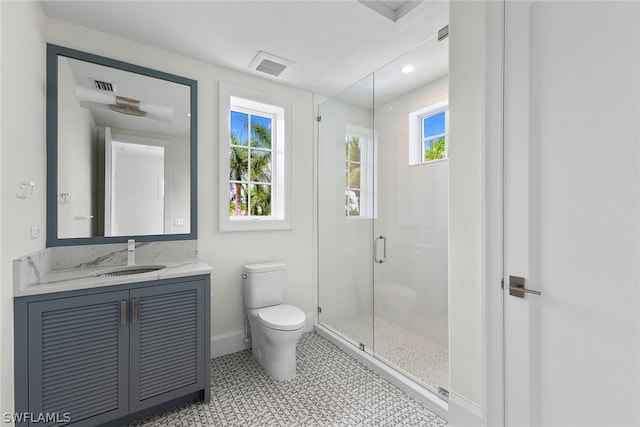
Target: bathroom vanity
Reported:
[(104, 336), (95, 350)]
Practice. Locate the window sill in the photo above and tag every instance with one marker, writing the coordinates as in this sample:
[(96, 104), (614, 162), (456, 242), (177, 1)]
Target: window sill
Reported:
[(430, 162), (254, 224)]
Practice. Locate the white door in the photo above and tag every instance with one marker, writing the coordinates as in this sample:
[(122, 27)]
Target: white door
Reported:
[(137, 189), (572, 213)]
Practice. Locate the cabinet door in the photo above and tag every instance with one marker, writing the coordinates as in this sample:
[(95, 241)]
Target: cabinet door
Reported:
[(167, 342), (78, 358)]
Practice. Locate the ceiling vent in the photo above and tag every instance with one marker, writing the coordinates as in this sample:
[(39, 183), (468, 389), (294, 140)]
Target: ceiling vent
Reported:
[(102, 86), (443, 33), (269, 64)]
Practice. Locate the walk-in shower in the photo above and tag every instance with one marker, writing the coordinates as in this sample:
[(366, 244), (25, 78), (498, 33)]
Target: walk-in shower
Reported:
[(383, 215)]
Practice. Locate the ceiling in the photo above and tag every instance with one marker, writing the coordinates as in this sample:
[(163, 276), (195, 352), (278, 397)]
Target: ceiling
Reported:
[(331, 43), (142, 88)]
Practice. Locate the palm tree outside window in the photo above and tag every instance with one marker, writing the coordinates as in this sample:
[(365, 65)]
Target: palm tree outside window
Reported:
[(250, 164), (255, 160), (434, 136)]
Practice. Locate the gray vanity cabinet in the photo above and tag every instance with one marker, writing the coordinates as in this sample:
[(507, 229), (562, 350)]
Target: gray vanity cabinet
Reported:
[(78, 357), (113, 354), (167, 343)]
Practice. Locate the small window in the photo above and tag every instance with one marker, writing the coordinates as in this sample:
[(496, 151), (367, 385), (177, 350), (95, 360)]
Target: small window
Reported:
[(353, 169), (358, 173), (255, 157), (429, 134), (434, 138)]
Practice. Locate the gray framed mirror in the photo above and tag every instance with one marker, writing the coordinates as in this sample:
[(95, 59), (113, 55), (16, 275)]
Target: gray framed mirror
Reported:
[(121, 151)]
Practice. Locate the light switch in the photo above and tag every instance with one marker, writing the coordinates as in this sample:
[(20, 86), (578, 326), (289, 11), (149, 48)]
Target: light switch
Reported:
[(35, 231)]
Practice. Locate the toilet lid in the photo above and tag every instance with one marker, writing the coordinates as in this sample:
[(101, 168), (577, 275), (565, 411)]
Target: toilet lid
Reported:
[(282, 317)]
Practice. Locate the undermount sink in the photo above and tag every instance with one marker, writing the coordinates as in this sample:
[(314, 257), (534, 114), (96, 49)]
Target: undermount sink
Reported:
[(126, 270)]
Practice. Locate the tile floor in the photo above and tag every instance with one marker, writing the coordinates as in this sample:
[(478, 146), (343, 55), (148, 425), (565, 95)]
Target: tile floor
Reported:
[(331, 389)]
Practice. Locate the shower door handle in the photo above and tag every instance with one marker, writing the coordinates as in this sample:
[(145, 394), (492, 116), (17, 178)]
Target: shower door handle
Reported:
[(377, 240)]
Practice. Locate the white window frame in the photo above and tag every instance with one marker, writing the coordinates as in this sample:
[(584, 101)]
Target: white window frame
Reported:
[(367, 166), (416, 141), (257, 103)]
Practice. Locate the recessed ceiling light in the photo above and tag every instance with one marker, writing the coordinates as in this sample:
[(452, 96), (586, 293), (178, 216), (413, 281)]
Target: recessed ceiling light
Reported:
[(407, 68)]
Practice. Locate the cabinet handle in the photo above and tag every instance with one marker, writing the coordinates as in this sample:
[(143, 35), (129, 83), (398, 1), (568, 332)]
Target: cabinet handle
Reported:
[(134, 310), (123, 312)]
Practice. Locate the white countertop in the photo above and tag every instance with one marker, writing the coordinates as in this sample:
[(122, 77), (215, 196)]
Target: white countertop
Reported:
[(80, 278)]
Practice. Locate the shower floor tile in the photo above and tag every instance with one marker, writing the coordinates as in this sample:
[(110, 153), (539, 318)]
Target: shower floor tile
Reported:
[(421, 357)]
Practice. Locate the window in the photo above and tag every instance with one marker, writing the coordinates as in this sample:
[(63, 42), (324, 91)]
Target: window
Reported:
[(255, 170), (353, 167), (358, 173), (429, 134), (250, 157), (433, 137)]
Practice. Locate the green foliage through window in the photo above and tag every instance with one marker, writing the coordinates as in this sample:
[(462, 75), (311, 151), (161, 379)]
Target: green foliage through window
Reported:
[(434, 128), (435, 149), (250, 165), (352, 176)]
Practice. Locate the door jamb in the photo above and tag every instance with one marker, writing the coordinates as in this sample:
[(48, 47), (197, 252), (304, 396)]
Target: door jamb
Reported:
[(493, 321)]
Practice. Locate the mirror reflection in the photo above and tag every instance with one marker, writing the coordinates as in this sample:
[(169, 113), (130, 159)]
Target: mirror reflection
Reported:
[(123, 153)]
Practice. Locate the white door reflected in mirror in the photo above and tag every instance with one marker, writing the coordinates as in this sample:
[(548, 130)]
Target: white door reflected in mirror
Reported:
[(136, 199)]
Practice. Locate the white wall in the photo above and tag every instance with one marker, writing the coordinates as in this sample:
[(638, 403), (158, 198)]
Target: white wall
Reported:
[(77, 148), (466, 106), (22, 144), (180, 194)]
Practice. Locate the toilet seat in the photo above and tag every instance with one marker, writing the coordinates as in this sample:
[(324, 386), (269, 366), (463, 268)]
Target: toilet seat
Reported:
[(282, 317)]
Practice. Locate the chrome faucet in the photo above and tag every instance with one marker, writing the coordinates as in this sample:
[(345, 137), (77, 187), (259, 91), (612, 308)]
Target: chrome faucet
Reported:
[(131, 252)]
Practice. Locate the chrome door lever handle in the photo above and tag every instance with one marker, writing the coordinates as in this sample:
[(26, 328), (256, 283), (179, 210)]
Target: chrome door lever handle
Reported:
[(517, 289), (529, 291)]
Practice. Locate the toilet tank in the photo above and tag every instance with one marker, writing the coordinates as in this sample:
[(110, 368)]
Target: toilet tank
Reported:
[(263, 284)]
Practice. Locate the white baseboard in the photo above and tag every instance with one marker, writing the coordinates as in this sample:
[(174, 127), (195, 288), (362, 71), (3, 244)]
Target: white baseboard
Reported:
[(463, 412), (227, 343), (232, 342)]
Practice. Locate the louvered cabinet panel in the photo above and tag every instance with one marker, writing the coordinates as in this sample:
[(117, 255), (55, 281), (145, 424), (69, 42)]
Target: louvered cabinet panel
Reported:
[(78, 352), (167, 342)]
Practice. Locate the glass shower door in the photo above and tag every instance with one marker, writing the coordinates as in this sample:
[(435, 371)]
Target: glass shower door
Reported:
[(383, 178), (411, 226), (346, 205)]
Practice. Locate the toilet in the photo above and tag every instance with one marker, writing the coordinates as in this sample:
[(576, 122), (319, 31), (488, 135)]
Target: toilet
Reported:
[(275, 327), (394, 302)]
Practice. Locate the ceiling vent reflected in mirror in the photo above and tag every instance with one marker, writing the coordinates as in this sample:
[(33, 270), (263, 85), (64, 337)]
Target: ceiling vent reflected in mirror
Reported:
[(103, 86), (269, 63), (443, 33), (391, 9)]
